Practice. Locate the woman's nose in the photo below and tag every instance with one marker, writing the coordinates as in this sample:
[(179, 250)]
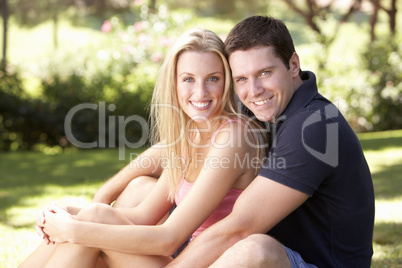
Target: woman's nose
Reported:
[(200, 90)]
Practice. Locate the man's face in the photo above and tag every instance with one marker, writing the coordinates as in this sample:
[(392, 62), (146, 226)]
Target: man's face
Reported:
[(263, 83)]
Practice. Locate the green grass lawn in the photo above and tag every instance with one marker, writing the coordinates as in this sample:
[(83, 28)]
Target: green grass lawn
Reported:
[(31, 180), (383, 151)]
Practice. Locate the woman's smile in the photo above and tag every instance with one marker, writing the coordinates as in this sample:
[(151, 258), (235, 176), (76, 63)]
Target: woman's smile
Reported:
[(201, 105)]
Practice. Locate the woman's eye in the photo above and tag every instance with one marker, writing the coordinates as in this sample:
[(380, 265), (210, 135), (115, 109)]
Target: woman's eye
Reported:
[(189, 79), (213, 79)]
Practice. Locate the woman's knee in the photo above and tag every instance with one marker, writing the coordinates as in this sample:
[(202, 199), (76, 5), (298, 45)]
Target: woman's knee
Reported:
[(141, 184), (135, 192), (95, 212)]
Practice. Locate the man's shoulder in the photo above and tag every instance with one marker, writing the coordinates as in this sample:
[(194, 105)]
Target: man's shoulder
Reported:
[(314, 115)]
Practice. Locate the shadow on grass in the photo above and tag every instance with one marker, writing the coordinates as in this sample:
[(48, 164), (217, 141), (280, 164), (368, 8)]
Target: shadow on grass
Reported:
[(27, 174), (377, 144), (387, 233), (388, 181), (387, 240)]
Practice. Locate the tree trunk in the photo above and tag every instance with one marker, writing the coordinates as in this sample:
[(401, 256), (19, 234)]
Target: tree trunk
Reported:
[(152, 6), (4, 14), (373, 19), (308, 16), (392, 17), (55, 31)]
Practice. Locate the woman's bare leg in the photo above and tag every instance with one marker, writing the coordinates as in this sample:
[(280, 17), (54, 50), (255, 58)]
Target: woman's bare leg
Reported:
[(71, 255), (133, 195), (135, 192), (39, 257), (118, 260)]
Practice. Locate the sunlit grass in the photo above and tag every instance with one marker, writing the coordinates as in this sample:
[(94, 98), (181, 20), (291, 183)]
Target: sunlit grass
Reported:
[(29, 181), (383, 151)]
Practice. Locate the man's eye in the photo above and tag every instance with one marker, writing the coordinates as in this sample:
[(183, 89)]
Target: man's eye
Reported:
[(240, 79), (265, 73)]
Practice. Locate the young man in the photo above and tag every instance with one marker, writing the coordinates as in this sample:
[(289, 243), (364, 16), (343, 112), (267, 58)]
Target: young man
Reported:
[(315, 208)]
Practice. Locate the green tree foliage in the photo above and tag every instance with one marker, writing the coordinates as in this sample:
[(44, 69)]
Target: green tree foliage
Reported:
[(119, 74), (24, 122), (383, 59), (233, 9)]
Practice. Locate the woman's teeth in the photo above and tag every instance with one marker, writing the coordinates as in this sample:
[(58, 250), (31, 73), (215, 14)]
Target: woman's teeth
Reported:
[(200, 104)]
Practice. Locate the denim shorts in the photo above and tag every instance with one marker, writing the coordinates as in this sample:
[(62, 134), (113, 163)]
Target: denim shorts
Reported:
[(296, 260)]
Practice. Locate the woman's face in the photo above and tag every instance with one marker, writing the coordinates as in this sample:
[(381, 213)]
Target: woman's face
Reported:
[(200, 81)]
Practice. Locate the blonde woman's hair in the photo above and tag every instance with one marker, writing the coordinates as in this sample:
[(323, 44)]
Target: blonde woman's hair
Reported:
[(169, 121)]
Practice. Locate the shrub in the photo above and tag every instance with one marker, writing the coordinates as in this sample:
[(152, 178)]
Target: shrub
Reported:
[(383, 59), (115, 79)]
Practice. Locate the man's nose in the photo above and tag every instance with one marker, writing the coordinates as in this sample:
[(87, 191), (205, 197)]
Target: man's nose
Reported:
[(255, 87)]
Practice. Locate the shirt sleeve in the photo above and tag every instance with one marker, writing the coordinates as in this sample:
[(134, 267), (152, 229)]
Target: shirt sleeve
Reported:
[(298, 157)]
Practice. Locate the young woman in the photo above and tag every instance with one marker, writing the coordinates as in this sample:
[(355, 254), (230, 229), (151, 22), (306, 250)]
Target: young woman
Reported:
[(210, 153)]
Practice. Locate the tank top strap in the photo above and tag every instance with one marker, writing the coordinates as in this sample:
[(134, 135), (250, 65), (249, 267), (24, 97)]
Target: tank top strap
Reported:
[(221, 126)]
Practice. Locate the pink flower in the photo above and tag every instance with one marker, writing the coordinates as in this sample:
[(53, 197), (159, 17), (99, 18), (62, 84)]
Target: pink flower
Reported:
[(156, 57), (138, 2), (165, 41), (129, 49), (138, 26), (106, 26)]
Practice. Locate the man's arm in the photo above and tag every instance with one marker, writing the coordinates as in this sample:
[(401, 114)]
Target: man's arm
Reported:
[(259, 208), (112, 188)]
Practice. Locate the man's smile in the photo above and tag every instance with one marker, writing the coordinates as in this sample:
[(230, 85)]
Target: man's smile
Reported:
[(262, 102)]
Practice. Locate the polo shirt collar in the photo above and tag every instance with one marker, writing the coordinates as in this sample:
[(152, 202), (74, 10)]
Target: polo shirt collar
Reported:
[(302, 97)]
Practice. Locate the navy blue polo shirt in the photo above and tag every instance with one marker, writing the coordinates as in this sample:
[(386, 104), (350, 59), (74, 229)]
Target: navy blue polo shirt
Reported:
[(316, 152)]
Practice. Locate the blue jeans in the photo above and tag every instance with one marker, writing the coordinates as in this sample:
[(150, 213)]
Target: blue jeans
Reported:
[(296, 260)]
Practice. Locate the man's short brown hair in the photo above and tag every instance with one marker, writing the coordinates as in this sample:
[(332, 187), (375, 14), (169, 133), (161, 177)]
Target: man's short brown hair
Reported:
[(260, 31)]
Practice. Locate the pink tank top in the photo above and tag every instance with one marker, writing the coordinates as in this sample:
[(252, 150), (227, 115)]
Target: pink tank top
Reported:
[(224, 208), (220, 212)]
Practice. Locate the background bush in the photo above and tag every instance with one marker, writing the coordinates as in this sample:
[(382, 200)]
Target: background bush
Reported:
[(119, 74), (384, 63), (119, 70)]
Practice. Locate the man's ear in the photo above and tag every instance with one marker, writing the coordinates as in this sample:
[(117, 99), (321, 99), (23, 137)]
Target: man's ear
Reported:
[(294, 64)]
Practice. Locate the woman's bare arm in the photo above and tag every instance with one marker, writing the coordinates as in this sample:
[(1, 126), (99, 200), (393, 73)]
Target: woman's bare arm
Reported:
[(212, 185)]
